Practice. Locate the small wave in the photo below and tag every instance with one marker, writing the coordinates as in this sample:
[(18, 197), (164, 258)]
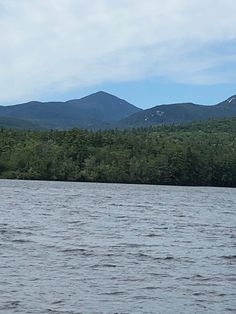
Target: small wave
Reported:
[(114, 293), (229, 257), (152, 235), (76, 222), (103, 265), (61, 312), (151, 288), (73, 250), (3, 231), (22, 241), (57, 302), (156, 258), (82, 252), (11, 305)]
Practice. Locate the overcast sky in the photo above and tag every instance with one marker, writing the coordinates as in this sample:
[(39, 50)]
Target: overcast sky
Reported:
[(149, 52)]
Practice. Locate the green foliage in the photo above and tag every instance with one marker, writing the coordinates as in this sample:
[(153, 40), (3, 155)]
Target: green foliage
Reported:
[(201, 153)]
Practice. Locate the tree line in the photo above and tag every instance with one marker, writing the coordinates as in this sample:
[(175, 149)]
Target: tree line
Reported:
[(201, 153)]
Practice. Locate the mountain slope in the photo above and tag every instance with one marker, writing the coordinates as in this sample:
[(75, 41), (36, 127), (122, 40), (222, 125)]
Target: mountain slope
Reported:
[(94, 111), (9, 122), (180, 113), (102, 110)]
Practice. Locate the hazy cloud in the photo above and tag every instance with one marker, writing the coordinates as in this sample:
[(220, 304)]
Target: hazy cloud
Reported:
[(57, 45)]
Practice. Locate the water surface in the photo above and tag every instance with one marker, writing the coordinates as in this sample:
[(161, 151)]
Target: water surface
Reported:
[(116, 248)]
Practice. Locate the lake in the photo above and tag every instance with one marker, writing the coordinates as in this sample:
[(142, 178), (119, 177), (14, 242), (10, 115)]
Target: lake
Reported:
[(116, 248)]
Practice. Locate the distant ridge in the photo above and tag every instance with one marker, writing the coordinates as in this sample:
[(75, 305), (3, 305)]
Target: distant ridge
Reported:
[(95, 111), (102, 110), (180, 113)]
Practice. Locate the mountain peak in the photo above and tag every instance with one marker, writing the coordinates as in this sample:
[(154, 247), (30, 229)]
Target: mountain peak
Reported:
[(93, 111), (232, 99), (101, 94)]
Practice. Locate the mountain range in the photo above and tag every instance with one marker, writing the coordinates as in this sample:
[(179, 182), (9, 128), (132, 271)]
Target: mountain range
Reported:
[(102, 110)]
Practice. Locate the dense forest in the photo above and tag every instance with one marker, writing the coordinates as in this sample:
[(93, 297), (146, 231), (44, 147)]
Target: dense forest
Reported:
[(201, 153)]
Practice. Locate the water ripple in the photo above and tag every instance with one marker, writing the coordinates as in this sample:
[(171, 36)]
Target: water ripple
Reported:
[(111, 248)]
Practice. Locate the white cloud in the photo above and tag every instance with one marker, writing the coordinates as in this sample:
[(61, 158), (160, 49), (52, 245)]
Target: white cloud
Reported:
[(58, 45)]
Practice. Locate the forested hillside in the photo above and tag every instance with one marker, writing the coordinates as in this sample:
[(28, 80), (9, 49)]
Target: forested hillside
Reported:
[(201, 153)]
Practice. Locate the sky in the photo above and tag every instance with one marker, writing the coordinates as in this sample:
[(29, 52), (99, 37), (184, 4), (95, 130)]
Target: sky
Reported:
[(147, 52)]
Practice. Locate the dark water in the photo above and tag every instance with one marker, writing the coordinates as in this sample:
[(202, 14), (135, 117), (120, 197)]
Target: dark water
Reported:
[(107, 248)]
